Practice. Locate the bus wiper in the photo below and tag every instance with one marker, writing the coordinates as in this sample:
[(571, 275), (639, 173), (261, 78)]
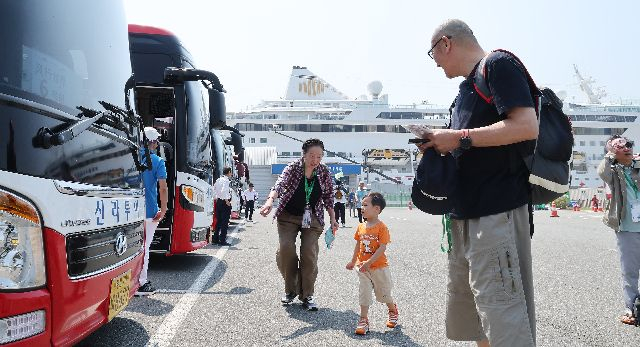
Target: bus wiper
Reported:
[(127, 117), (47, 138)]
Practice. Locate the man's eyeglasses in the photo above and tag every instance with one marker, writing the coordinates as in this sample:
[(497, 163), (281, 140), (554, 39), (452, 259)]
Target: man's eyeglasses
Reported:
[(430, 53), (629, 144)]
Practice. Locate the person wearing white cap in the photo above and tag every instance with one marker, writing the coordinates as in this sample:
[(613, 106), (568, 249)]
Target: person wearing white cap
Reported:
[(152, 178)]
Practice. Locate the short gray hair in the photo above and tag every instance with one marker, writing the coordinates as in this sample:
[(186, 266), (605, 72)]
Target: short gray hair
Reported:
[(457, 29)]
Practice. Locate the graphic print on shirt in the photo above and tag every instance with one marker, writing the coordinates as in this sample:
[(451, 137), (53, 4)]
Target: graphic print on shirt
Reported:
[(366, 244)]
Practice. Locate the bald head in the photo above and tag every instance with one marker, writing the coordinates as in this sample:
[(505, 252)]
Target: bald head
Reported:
[(458, 31)]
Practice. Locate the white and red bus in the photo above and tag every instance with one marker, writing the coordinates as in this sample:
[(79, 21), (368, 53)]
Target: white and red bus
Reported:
[(71, 198), (187, 107)]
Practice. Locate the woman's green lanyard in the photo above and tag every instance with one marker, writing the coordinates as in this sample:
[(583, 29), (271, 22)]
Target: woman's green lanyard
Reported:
[(630, 182), (308, 189)]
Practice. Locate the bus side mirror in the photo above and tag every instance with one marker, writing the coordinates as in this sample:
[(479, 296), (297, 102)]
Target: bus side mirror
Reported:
[(236, 141), (217, 110)]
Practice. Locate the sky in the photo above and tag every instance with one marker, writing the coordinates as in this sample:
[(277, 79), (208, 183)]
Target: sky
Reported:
[(252, 45)]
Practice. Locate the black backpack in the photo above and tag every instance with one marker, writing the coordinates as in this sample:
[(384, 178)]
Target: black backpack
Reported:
[(548, 157)]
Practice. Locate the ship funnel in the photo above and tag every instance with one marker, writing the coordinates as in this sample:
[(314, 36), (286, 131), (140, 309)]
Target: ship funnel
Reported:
[(305, 85)]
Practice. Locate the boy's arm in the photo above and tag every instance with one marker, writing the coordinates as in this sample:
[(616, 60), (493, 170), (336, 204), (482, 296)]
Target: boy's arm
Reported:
[(378, 253), (355, 252)]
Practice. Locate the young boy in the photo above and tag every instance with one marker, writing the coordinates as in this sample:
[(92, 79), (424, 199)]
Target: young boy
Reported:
[(369, 260)]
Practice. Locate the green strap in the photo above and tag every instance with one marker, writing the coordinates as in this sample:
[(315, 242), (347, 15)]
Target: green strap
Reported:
[(308, 187), (630, 182), (446, 229)]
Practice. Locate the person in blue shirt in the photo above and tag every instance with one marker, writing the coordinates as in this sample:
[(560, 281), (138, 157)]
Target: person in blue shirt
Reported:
[(360, 194), (152, 179)]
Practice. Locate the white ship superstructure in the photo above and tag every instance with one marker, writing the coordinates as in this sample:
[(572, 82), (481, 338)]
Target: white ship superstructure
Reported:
[(369, 130)]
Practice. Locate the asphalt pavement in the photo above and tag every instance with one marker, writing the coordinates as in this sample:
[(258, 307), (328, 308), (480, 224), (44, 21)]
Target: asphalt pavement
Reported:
[(230, 296)]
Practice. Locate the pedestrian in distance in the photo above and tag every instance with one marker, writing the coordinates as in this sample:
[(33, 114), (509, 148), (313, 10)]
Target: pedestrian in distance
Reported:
[(305, 189), (370, 262), (152, 178), (360, 194), (351, 202), (250, 196), (620, 171), (490, 228), (594, 203), (222, 194), (339, 206)]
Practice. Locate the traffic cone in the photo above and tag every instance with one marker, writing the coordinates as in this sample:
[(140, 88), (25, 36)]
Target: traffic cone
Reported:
[(554, 210)]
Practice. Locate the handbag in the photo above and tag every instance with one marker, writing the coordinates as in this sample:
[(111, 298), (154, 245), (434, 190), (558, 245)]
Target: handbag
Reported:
[(435, 183)]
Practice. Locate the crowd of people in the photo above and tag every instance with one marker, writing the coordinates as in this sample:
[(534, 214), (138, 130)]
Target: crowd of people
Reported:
[(490, 296)]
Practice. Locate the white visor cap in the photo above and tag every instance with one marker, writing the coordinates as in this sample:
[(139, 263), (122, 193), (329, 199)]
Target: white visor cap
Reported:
[(152, 133)]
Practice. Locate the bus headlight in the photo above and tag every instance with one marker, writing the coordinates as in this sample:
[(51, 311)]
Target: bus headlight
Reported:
[(21, 247)]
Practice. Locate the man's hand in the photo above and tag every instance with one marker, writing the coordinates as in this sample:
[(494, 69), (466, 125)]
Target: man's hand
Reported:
[(228, 202), (159, 215), (442, 140)]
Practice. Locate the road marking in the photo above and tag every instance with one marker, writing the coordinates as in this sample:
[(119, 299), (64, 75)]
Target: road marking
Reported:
[(172, 322)]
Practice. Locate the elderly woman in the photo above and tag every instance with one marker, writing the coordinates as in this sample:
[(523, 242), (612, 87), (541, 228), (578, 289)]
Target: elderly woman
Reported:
[(305, 189)]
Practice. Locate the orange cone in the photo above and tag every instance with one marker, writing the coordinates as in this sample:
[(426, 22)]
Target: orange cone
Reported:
[(554, 210)]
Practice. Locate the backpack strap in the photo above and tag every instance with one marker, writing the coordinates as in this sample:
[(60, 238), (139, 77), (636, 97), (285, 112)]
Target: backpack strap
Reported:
[(482, 87)]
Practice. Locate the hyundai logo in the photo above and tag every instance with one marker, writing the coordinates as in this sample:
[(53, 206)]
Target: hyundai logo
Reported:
[(121, 243)]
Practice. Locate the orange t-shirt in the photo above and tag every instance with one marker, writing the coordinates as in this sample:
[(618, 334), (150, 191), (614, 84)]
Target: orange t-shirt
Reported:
[(370, 240)]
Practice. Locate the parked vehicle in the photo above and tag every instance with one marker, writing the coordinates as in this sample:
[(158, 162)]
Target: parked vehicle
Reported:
[(187, 107), (71, 198)]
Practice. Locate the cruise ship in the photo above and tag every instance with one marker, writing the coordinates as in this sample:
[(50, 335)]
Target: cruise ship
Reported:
[(368, 132)]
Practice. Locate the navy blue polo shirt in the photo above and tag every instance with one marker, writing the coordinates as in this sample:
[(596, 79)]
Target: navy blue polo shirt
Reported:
[(491, 179)]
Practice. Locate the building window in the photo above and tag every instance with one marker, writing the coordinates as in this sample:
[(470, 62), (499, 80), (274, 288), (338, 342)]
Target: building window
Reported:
[(285, 154), (581, 143), (602, 143), (263, 140), (592, 143), (252, 140), (297, 154)]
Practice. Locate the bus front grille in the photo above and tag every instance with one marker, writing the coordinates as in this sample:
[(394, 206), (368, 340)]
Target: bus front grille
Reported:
[(97, 251)]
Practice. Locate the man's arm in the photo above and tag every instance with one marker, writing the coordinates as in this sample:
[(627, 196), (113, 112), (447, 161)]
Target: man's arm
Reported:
[(521, 125), (164, 198)]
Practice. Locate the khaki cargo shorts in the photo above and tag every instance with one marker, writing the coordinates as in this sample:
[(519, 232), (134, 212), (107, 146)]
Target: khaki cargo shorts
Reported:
[(376, 280), (490, 289)]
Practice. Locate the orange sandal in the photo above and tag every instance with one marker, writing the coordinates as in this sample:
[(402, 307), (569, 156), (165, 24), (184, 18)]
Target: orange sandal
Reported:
[(627, 318)]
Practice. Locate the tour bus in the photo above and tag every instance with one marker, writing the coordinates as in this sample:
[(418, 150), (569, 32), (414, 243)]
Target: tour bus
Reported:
[(187, 107), (71, 197)]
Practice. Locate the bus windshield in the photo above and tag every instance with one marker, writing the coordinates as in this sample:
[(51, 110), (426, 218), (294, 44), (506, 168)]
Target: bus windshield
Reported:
[(46, 74)]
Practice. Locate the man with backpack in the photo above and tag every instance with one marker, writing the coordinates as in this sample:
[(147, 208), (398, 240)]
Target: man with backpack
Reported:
[(490, 289)]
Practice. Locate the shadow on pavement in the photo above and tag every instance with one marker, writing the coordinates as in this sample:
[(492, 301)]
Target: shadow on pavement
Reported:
[(149, 306), (345, 321), (233, 291), (119, 332)]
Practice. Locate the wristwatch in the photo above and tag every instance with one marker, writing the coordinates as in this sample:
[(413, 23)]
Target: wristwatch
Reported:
[(465, 140)]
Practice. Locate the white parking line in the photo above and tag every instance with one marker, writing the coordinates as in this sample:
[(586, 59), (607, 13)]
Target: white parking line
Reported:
[(172, 322)]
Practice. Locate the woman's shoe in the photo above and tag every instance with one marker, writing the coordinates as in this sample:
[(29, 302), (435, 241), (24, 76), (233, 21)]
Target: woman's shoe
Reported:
[(288, 298)]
